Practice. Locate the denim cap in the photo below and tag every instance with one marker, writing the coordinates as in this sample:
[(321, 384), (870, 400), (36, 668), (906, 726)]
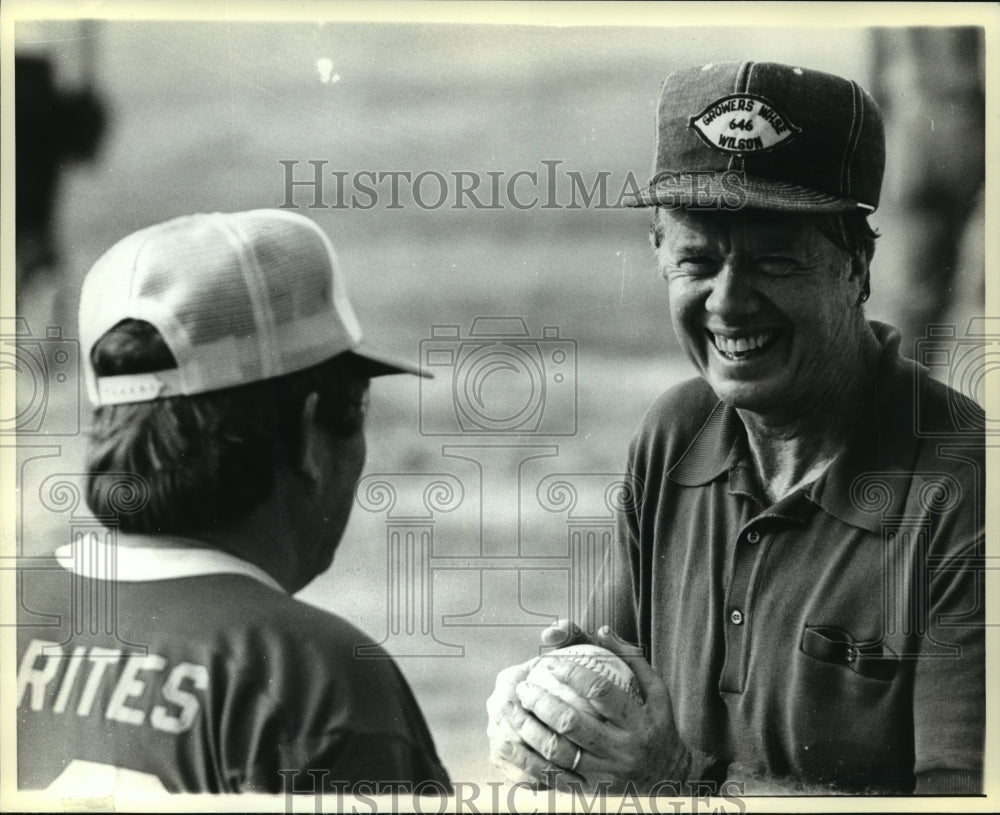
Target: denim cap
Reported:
[(767, 136), (237, 297)]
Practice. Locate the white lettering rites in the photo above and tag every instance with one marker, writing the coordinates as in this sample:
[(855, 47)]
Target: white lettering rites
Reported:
[(144, 688)]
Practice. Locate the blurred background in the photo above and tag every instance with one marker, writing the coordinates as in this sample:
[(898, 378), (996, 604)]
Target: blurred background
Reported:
[(124, 124)]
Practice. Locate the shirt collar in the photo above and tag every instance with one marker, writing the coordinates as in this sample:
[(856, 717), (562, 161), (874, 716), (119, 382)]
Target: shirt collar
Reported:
[(882, 449), (883, 442), (713, 451), (96, 559)]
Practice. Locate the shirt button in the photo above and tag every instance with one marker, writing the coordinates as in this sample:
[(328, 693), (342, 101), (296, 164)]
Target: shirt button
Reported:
[(736, 617), (753, 536)]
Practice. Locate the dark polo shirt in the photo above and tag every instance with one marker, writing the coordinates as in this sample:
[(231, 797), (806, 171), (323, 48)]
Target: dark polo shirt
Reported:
[(837, 635)]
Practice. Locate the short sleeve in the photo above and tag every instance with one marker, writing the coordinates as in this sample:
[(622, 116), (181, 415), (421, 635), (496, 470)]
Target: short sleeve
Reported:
[(949, 693)]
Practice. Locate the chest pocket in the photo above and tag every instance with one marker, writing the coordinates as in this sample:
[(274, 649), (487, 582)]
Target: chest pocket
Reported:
[(834, 646)]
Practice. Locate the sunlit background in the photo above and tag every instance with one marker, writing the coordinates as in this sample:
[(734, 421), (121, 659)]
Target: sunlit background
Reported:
[(199, 117)]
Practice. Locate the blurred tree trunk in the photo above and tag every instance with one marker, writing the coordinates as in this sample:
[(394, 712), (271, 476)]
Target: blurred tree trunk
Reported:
[(930, 85)]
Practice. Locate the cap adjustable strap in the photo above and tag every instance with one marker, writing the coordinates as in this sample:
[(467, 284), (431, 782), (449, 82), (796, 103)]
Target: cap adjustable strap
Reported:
[(119, 390)]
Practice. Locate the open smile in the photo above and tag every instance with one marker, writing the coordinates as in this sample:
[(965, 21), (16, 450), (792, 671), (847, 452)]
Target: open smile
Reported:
[(743, 347)]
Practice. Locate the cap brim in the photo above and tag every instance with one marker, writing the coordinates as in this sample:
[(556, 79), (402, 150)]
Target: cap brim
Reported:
[(377, 363), (752, 193)]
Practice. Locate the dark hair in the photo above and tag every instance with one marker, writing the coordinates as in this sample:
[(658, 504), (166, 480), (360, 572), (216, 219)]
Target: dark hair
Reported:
[(849, 231), (211, 457), (852, 233)]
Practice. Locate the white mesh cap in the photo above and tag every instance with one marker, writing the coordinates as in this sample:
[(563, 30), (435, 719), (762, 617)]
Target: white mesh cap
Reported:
[(238, 298)]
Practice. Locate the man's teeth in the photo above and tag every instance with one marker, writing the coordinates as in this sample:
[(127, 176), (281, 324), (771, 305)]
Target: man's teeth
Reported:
[(743, 344)]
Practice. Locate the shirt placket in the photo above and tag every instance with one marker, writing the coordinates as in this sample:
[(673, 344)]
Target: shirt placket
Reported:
[(739, 607), (750, 549)]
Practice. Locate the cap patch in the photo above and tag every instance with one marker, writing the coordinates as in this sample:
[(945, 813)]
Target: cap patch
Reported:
[(743, 123)]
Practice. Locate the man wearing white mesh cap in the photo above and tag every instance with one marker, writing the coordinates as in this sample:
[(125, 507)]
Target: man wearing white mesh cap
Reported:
[(230, 384)]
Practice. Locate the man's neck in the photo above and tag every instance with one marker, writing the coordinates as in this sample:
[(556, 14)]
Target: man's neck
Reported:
[(791, 452), (259, 538)]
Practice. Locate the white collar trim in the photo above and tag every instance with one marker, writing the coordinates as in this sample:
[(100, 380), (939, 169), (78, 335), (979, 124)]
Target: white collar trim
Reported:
[(93, 558)]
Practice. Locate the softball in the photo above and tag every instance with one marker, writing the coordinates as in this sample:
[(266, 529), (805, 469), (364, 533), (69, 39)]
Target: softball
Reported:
[(594, 658)]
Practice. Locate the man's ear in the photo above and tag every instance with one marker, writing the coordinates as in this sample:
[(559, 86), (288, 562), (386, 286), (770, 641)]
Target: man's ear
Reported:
[(656, 233), (308, 460), (861, 274)]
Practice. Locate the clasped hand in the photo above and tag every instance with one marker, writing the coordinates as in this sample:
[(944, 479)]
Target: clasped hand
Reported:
[(534, 735)]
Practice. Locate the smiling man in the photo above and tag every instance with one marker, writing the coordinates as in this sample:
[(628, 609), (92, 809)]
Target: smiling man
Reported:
[(801, 568)]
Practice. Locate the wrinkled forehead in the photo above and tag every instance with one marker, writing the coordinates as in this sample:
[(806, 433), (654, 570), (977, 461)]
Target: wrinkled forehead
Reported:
[(744, 227)]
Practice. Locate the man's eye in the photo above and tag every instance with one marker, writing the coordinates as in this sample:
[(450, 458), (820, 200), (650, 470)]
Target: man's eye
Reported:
[(696, 261), (774, 264), (690, 266)]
